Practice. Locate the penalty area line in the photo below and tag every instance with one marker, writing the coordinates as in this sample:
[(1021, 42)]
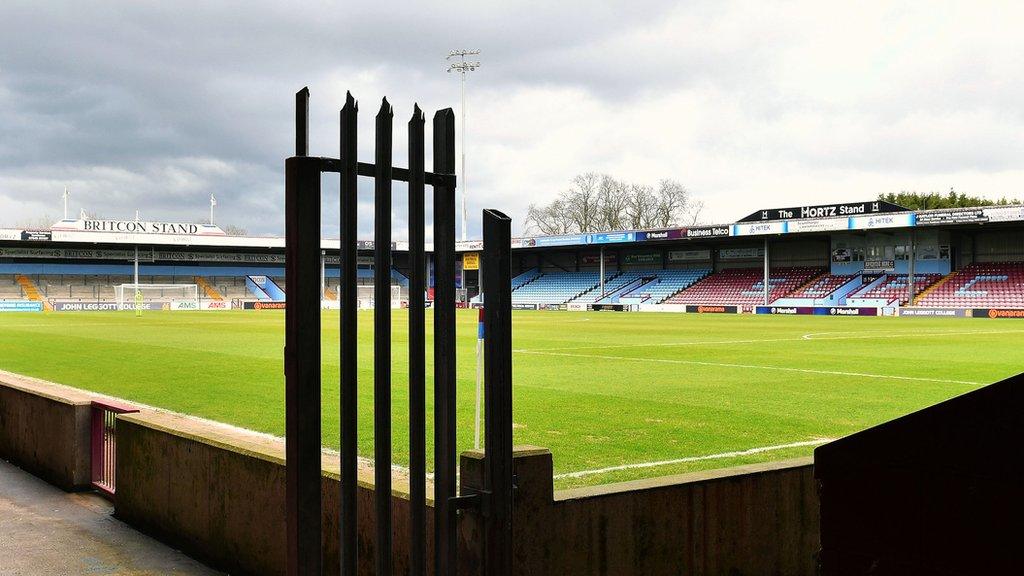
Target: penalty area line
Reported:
[(723, 455)]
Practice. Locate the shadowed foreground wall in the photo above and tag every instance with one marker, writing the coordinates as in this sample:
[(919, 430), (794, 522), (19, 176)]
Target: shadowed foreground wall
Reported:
[(218, 493), (46, 431), (751, 520)]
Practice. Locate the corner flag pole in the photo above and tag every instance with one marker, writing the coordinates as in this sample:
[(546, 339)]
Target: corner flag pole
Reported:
[(479, 373)]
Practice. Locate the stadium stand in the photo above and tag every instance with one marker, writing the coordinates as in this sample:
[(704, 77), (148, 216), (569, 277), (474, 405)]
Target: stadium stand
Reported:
[(823, 286), (995, 285), (661, 284), (556, 287), (745, 286), (524, 278), (612, 286), (893, 288)]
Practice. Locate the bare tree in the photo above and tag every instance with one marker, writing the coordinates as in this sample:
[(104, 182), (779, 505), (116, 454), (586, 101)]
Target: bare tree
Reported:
[(611, 199), (641, 206), (672, 200), (693, 211), (600, 202), (581, 201), (232, 230)]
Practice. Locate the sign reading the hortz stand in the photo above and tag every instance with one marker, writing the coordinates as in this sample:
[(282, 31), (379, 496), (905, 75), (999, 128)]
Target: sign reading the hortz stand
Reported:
[(825, 211)]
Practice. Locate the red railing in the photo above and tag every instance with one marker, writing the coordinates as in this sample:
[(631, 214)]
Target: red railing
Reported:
[(104, 444)]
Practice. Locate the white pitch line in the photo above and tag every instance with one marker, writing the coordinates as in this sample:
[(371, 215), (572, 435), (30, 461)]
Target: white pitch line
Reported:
[(769, 340), (751, 367), (735, 454)]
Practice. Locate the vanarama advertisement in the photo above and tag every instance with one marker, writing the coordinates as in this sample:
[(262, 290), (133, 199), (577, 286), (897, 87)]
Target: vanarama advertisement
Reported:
[(998, 313), (711, 309), (263, 305)]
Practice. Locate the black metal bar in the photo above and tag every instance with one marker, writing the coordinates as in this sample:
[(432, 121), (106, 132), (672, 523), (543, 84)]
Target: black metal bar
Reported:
[(302, 122), (397, 173), (382, 340), (349, 337), (497, 266), (417, 354), (302, 365), (444, 346)]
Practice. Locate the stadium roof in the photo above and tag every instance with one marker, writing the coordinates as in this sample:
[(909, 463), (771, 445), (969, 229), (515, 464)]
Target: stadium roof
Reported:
[(856, 216)]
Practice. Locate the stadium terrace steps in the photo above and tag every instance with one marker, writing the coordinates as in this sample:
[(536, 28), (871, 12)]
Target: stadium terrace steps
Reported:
[(555, 287), (745, 286), (525, 278), (208, 289), (892, 288), (667, 283), (31, 291), (932, 288), (985, 285), (823, 286)]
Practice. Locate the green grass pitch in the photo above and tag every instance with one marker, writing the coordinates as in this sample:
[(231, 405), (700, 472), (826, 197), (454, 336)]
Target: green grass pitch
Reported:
[(601, 390)]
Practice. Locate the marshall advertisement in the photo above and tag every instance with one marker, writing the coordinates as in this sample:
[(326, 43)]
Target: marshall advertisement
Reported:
[(816, 310)]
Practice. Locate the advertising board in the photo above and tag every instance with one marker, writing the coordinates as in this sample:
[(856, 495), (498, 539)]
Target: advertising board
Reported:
[(882, 221), (935, 312), (998, 313), (759, 228), (264, 305), (712, 309), (816, 310), (103, 306), (689, 255), (20, 306)]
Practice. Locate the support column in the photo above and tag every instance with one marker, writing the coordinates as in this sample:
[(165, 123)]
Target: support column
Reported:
[(911, 267), (601, 257), (767, 289)]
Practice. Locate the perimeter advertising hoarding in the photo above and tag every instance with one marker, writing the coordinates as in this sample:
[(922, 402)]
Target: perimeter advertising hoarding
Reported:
[(262, 305), (689, 255), (826, 225), (662, 234), (962, 216), (998, 312), (642, 258), (77, 306), (816, 310), (20, 306), (934, 312), (560, 240), (759, 228), (712, 309), (611, 237), (37, 235), (882, 221)]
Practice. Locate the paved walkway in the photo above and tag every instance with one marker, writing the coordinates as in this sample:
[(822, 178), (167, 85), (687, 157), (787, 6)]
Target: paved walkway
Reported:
[(46, 531)]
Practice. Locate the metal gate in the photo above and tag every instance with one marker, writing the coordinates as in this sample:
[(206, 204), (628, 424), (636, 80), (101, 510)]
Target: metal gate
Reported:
[(302, 351)]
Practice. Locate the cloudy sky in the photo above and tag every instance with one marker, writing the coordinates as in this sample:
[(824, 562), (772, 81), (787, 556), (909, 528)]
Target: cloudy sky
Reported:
[(154, 105)]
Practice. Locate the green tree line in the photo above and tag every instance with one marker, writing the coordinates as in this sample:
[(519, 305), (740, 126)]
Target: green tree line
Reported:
[(933, 200)]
